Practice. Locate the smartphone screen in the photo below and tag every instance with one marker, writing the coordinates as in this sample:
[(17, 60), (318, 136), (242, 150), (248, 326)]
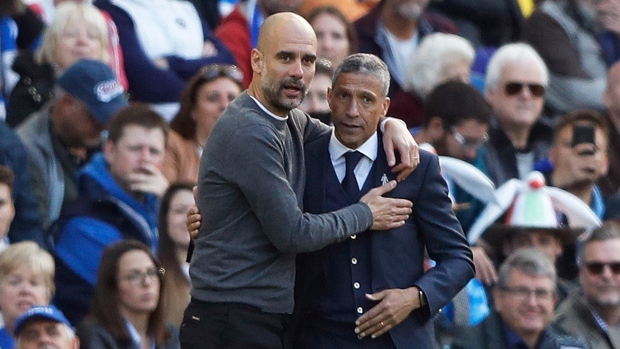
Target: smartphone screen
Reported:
[(583, 134)]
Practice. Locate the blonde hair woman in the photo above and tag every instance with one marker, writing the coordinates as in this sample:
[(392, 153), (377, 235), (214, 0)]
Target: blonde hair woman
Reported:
[(26, 279), (78, 31)]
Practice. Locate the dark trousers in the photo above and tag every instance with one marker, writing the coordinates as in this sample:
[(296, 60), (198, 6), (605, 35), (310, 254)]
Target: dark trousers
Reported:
[(231, 326)]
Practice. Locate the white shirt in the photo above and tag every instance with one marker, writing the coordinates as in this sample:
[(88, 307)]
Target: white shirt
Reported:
[(368, 148)]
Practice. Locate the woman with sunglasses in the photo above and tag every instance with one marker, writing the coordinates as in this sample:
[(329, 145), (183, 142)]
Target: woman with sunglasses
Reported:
[(127, 310), (205, 98)]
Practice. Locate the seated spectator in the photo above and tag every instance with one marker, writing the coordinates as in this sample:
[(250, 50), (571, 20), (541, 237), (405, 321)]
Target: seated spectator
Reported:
[(239, 30), (524, 298), (115, 54), (173, 244), (455, 122), (164, 44), (593, 313), (564, 32), (579, 155), (530, 214), (440, 57), (43, 327), (483, 22), (611, 182), (128, 307), (27, 221), (393, 30), (20, 29), (78, 31), (7, 207), (63, 136), (515, 86), (26, 279), (119, 193), (334, 33), (205, 98), (315, 103)]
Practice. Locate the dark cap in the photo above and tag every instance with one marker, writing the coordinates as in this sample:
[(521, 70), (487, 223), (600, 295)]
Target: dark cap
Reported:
[(94, 83), (48, 312)]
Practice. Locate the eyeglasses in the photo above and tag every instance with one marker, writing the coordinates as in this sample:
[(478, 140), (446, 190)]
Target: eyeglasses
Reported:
[(469, 143), (213, 71), (597, 268), (523, 293), (514, 88), (136, 278)]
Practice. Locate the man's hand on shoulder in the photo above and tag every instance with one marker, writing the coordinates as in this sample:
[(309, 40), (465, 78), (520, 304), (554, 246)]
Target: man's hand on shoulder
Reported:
[(397, 138)]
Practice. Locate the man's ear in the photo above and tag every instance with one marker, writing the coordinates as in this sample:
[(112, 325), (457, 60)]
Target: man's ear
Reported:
[(108, 151), (386, 105), (256, 58), (329, 97), (435, 128)]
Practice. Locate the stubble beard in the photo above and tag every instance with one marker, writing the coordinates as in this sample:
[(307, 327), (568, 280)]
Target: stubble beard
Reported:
[(274, 92)]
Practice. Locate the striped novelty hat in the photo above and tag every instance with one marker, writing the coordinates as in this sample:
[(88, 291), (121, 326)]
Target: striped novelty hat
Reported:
[(533, 208)]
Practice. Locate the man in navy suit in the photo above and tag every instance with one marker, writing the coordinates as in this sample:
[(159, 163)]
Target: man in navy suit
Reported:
[(371, 290)]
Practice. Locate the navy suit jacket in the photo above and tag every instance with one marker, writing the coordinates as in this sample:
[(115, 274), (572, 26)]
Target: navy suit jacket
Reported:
[(397, 255)]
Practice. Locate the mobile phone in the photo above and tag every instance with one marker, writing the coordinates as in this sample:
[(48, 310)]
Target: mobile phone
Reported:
[(583, 134)]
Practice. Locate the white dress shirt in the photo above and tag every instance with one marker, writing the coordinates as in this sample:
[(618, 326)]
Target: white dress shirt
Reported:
[(368, 148)]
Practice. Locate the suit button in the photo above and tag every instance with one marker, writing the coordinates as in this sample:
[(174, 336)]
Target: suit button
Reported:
[(360, 310), (353, 237), (356, 285), (354, 260)]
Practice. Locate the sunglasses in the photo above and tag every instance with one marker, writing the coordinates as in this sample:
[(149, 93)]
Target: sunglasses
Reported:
[(514, 88), (597, 268), (213, 71)]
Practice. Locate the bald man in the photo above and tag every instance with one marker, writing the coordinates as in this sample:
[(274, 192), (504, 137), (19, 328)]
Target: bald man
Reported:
[(251, 182)]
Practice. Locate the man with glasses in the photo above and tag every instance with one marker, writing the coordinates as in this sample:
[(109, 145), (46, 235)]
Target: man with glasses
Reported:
[(524, 299), (594, 312), (515, 85)]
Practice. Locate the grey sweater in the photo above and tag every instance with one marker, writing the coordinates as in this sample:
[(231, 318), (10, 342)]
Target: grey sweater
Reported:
[(250, 190)]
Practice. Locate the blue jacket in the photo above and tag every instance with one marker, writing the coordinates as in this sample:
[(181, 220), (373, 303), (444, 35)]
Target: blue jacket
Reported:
[(103, 213)]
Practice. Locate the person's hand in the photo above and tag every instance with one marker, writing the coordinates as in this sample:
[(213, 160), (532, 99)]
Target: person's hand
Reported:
[(485, 270), (193, 222), (387, 213), (150, 179), (397, 137), (394, 306)]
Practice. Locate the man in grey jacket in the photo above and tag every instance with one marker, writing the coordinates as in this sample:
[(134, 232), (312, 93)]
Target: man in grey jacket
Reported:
[(250, 193), (594, 312), (62, 136)]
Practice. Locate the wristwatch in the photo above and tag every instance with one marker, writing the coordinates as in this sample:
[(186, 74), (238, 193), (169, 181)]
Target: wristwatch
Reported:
[(422, 298)]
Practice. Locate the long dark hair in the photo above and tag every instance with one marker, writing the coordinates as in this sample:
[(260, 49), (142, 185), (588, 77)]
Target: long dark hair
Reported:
[(167, 254), (105, 307), (183, 123)]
